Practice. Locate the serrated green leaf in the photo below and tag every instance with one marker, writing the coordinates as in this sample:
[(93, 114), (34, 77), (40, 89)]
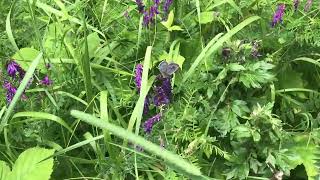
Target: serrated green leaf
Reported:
[(30, 165), (235, 67)]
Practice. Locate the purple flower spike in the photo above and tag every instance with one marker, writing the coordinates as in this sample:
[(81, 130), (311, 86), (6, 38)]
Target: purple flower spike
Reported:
[(11, 90), (296, 4), (308, 5), (148, 125), (149, 16), (277, 17), (14, 68), (146, 105), (146, 18), (166, 7), (140, 6), (163, 91), (46, 81), (138, 79), (138, 76)]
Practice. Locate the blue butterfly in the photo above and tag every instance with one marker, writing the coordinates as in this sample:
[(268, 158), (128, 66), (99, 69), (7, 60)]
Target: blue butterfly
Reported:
[(168, 69)]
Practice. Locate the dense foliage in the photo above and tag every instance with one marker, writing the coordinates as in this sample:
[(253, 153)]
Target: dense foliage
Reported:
[(163, 89)]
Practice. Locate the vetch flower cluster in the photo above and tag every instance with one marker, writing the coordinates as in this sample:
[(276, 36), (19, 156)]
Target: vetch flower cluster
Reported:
[(15, 75), (140, 6), (166, 7), (14, 69), (163, 91), (148, 125), (150, 14), (161, 95), (138, 79), (138, 76), (278, 15), (46, 81), (11, 90)]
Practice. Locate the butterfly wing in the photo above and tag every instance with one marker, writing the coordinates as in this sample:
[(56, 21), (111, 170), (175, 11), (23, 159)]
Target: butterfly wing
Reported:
[(163, 68), (172, 68)]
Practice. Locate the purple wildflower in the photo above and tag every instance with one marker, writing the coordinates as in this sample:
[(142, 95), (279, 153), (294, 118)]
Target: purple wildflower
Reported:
[(150, 15), (46, 81), (166, 7), (148, 125), (163, 91), (277, 17), (14, 68), (140, 6), (138, 76), (296, 4), (146, 18), (11, 90), (308, 5), (146, 105)]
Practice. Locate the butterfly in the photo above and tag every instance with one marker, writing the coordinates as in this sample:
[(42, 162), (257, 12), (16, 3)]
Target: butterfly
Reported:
[(168, 69)]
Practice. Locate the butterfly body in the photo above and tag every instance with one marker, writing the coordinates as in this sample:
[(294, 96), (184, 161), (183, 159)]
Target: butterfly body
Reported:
[(168, 69)]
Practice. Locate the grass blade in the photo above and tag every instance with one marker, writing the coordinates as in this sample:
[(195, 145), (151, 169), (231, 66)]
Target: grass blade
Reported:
[(216, 43), (170, 158), (86, 68), (43, 116), (138, 109), (9, 31), (105, 117), (309, 60)]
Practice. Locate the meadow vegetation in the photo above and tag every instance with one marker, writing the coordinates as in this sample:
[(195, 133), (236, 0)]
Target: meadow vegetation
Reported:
[(159, 89)]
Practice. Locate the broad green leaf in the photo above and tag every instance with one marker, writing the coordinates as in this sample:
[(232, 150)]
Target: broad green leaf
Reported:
[(93, 43), (299, 150), (30, 165), (169, 21), (175, 28), (4, 170), (173, 56), (206, 17), (25, 56)]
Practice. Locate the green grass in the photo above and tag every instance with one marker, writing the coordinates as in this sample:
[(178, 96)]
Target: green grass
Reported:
[(230, 115)]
